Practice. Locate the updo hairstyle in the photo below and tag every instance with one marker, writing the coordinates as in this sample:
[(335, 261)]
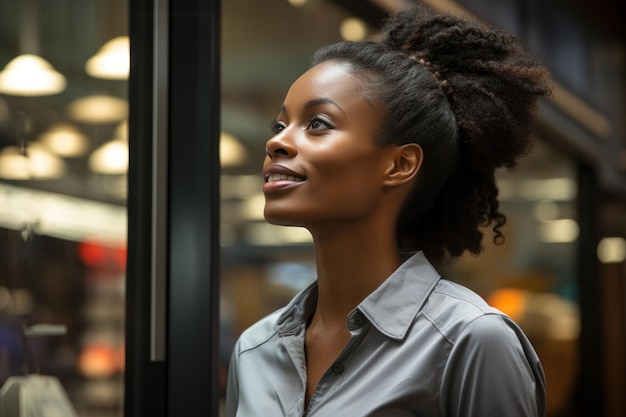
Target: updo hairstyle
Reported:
[(466, 94)]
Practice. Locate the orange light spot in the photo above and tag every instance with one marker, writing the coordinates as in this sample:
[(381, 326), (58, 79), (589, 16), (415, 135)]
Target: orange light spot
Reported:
[(511, 301), (98, 360)]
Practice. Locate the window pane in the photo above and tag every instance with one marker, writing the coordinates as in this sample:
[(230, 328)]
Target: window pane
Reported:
[(63, 164)]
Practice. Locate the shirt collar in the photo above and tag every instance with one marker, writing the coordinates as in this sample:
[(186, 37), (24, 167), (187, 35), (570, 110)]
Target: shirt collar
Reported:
[(391, 308), (298, 311)]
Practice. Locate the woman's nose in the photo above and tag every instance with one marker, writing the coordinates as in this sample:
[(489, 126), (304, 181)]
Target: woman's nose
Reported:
[(280, 145)]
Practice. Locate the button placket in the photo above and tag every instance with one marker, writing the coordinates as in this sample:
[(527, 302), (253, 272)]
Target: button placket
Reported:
[(333, 377), (359, 320), (338, 368)]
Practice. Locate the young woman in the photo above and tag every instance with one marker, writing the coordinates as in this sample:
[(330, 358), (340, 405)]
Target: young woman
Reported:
[(382, 148)]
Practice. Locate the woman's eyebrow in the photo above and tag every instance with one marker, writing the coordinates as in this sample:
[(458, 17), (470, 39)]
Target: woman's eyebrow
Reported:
[(316, 102)]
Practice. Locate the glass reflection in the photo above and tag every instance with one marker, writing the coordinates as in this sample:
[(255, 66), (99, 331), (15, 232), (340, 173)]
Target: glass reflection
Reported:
[(62, 223)]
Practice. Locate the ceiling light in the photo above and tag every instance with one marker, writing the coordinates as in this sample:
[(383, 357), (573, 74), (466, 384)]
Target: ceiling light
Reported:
[(232, 152), (37, 163), (98, 109), (112, 60), (612, 250), (30, 75), (559, 231), (110, 158), (65, 140), (555, 189), (62, 216), (121, 131), (253, 207), (297, 3), (353, 29)]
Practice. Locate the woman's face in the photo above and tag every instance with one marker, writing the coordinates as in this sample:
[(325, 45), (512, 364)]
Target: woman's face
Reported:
[(322, 164)]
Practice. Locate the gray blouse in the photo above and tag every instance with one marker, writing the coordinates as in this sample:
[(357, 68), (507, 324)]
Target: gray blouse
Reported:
[(420, 346)]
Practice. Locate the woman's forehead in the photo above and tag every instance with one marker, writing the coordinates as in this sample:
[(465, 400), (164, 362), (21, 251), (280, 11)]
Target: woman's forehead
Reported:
[(328, 74), (328, 80)]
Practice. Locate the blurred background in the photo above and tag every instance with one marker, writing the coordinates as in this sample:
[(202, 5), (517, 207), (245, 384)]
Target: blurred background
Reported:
[(64, 115)]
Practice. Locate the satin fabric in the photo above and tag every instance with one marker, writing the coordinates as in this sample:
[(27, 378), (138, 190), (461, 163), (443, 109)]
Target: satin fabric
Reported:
[(420, 346)]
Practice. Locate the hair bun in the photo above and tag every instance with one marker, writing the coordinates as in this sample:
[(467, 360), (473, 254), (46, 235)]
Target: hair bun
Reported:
[(492, 81)]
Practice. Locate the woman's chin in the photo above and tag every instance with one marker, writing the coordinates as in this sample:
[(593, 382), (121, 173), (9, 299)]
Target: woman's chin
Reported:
[(281, 220)]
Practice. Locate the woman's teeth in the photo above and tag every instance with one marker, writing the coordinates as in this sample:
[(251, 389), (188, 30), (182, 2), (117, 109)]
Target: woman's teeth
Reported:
[(283, 177)]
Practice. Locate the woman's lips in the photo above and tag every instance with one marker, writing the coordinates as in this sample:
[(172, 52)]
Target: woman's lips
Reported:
[(278, 181), (281, 177)]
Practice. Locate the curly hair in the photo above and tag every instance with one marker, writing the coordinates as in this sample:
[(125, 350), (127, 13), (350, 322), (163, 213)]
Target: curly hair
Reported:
[(464, 92)]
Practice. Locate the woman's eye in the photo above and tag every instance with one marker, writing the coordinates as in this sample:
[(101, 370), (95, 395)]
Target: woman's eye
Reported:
[(317, 123), (277, 127)]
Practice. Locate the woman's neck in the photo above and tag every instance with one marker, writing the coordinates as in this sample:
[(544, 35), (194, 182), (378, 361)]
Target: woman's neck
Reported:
[(349, 267)]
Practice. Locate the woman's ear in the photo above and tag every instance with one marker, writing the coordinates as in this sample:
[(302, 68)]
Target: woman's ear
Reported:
[(404, 165)]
